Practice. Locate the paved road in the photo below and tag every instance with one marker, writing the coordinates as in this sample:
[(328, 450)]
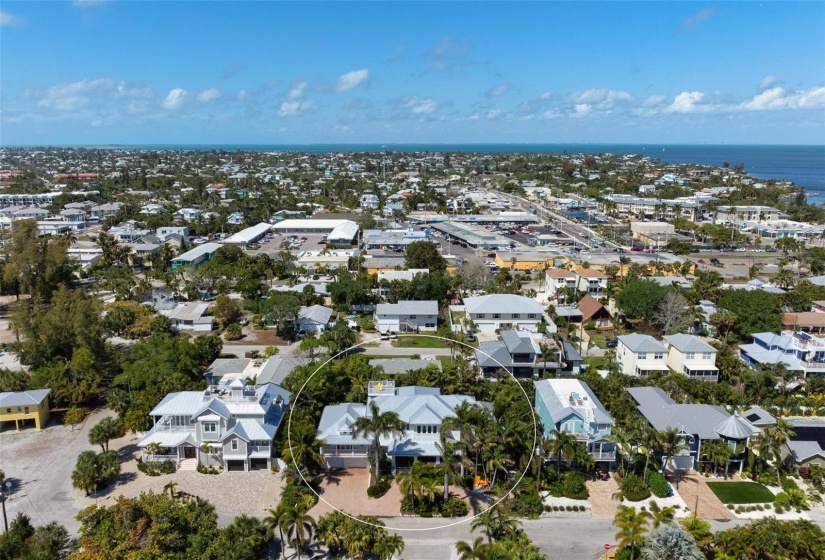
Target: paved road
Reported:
[(40, 465)]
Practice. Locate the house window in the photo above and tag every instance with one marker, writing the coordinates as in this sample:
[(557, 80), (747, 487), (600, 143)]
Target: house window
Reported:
[(496, 315), (531, 316), (706, 355), (516, 315), (26, 410), (412, 316), (642, 355), (8, 411), (418, 429), (429, 325), (658, 356), (234, 445), (210, 427), (690, 356)]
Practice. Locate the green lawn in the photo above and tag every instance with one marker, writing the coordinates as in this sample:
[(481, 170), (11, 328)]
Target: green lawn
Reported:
[(418, 342), (741, 492), (598, 339), (596, 361)]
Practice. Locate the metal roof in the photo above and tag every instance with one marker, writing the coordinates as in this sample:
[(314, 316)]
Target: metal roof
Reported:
[(502, 303), (642, 343), (519, 342), (24, 398), (689, 343), (663, 413), (316, 313), (734, 427), (249, 234), (555, 394), (428, 307)]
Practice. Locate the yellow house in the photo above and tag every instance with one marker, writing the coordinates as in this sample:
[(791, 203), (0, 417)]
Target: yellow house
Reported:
[(25, 405)]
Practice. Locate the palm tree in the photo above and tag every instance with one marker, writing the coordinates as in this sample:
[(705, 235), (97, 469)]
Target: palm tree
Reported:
[(273, 521), (777, 436), (388, 546), (623, 441), (465, 421), (495, 524), (650, 444), (563, 444), (378, 424), (672, 443), (479, 550), (172, 487), (410, 482), (661, 515), (302, 446), (632, 526), (298, 526), (153, 449)]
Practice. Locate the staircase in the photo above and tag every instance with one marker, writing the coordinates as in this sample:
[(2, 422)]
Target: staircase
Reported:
[(188, 465)]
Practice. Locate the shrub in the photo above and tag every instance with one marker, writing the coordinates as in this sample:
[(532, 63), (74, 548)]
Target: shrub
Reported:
[(574, 486), (569, 508), (634, 489), (783, 501), (759, 508), (730, 506), (296, 493), (207, 470), (582, 508), (779, 509), (789, 483), (379, 489), (547, 508), (455, 507), (658, 484), (233, 332), (766, 477), (156, 468), (768, 506)]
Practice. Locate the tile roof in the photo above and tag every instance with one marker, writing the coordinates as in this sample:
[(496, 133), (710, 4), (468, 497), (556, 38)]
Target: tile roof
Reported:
[(589, 306)]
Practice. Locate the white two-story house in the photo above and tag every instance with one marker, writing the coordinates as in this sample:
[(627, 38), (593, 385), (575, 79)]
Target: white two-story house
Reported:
[(559, 279), (232, 425), (407, 316), (506, 311), (592, 281), (421, 409), (690, 355), (640, 355)]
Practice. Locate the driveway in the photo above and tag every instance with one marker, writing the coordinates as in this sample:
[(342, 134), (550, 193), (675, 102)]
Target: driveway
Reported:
[(40, 466), (347, 490), (697, 494), (601, 498)]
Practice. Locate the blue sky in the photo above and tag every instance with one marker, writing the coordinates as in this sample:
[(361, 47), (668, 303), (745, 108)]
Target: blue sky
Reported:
[(92, 72)]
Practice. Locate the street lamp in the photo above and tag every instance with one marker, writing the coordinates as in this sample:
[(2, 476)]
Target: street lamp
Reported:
[(4, 491)]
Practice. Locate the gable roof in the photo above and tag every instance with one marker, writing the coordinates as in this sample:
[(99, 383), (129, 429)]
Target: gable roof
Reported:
[(589, 306), (502, 303), (641, 343), (518, 342), (428, 307), (689, 343), (591, 273), (663, 413), (315, 313)]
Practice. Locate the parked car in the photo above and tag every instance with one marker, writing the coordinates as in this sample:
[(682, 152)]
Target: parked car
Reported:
[(715, 262), (385, 336), (612, 343), (393, 335)]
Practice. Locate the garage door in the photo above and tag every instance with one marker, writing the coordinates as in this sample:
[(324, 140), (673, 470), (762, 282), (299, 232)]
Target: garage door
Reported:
[(346, 463), (257, 465), (235, 465)]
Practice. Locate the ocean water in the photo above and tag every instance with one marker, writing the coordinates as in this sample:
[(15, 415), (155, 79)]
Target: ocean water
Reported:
[(804, 165)]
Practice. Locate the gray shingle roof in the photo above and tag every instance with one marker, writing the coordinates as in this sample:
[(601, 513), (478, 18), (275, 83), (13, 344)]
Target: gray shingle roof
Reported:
[(641, 343), (315, 313), (493, 353), (518, 342), (735, 428), (689, 343)]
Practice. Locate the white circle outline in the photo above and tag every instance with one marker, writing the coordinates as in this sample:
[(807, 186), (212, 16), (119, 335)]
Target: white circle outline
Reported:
[(460, 521)]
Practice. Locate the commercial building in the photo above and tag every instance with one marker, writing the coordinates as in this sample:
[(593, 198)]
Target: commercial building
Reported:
[(472, 236), (339, 232), (250, 235), (195, 257)]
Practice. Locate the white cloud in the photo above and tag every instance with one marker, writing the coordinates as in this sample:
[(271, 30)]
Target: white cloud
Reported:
[(208, 95), (581, 111), (123, 89), (73, 95), (778, 98), (420, 106), (551, 115), (10, 20), (448, 55), (351, 80), (297, 90), (295, 108), (175, 99), (654, 100), (498, 90), (603, 98), (242, 95), (769, 81), (689, 102), (695, 20)]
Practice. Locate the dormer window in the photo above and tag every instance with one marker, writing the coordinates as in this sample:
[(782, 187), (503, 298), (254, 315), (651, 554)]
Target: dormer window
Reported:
[(210, 427)]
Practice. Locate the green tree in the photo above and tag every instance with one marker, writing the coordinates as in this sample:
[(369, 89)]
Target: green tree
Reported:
[(478, 550), (280, 309), (25, 542), (632, 525), (639, 300), (777, 435), (226, 310), (35, 266), (338, 338), (378, 424), (671, 443), (105, 430), (424, 254), (74, 416), (756, 311), (770, 538)]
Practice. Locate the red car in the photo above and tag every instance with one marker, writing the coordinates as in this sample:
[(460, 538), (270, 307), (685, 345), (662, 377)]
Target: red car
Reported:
[(650, 251), (636, 249)]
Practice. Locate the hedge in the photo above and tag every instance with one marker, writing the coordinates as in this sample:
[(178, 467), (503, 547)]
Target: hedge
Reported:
[(634, 488), (574, 486), (156, 468), (658, 484)]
